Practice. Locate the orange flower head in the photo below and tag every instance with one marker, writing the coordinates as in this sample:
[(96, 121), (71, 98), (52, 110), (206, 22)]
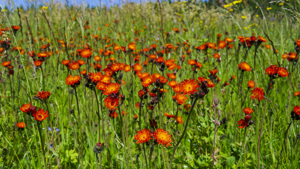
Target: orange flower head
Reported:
[(179, 119), (86, 53), (96, 77), (192, 62), (189, 86), (106, 79), (127, 68), (65, 62), (258, 93), (251, 84), (293, 56), (248, 111), (15, 27), (163, 80), (143, 136), (172, 83), (111, 88), (74, 65), (177, 88), (162, 137), (115, 67), (83, 72), (169, 115), (21, 125), (297, 110), (132, 46), (42, 55), (111, 103), (245, 66), (28, 108), (43, 95), (171, 75), (147, 81), (113, 114), (217, 55), (97, 58), (213, 72), (73, 80), (38, 63), (81, 62), (101, 86), (40, 115), (6, 64), (272, 70), (262, 39), (222, 44), (137, 67), (243, 123), (282, 72), (180, 98), (297, 93)]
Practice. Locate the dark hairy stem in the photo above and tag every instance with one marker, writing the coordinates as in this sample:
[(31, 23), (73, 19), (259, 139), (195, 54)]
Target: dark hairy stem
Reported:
[(183, 133), (285, 136), (259, 137)]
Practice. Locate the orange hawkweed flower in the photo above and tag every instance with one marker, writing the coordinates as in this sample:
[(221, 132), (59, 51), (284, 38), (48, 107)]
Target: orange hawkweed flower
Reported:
[(143, 136), (73, 80), (42, 55), (297, 93), (163, 80), (245, 66), (222, 44), (81, 62), (162, 137), (177, 88), (38, 63), (172, 83), (189, 86), (171, 75), (113, 114), (258, 93), (111, 88), (40, 115), (74, 65), (43, 95), (192, 62), (243, 123), (217, 55), (65, 62), (5, 64), (293, 56), (137, 67), (213, 72), (248, 111), (21, 125), (101, 86), (261, 39), (272, 70), (180, 98), (96, 77), (86, 53), (15, 27), (111, 103), (147, 81), (28, 108), (132, 46), (282, 72), (251, 84), (179, 119), (169, 115), (297, 110)]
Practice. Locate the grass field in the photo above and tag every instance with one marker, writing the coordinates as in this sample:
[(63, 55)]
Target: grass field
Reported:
[(151, 85)]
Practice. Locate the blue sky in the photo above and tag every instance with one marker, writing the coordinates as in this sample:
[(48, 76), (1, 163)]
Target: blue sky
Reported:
[(73, 2)]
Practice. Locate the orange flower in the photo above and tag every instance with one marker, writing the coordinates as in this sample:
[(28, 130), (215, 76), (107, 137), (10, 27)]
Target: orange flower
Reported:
[(21, 125), (137, 67), (83, 72), (180, 98), (81, 62), (179, 119), (297, 93), (15, 27), (86, 53), (297, 110), (245, 66), (251, 84), (96, 77), (65, 62), (213, 72), (163, 80), (113, 114), (243, 123), (73, 80), (293, 56), (111, 103), (97, 58), (74, 65), (169, 115), (248, 111), (147, 81), (162, 137), (258, 93), (177, 88), (5, 64), (172, 83), (189, 86), (272, 70), (101, 86), (132, 46), (217, 55), (222, 44), (143, 136), (171, 75), (282, 72), (111, 88), (192, 62), (40, 115), (43, 95), (28, 108), (42, 55), (38, 63), (262, 39)]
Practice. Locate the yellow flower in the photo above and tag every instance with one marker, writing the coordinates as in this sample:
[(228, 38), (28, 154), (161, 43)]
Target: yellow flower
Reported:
[(228, 5), (236, 2), (45, 7), (269, 8), (257, 16), (244, 17), (280, 4), (3, 10), (230, 10), (245, 28)]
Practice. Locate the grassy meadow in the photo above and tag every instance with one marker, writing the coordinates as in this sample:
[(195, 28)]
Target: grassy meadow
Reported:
[(150, 85)]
